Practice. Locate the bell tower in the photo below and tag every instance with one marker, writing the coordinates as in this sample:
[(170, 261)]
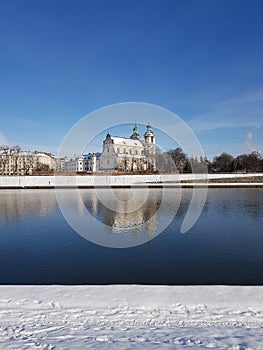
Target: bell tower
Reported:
[(149, 143), (135, 135)]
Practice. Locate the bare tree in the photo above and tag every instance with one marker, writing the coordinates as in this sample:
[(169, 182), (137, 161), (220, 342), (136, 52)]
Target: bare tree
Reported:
[(223, 163), (180, 159)]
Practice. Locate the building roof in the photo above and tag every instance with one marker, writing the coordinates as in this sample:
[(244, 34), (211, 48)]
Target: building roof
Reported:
[(123, 141), (21, 153)]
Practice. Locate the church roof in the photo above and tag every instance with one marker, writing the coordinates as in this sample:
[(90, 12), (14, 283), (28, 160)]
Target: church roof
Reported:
[(123, 141)]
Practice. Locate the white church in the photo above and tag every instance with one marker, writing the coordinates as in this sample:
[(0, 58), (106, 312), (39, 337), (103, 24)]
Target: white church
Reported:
[(121, 154)]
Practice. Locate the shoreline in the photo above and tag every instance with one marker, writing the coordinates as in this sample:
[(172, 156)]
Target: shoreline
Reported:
[(138, 186), (133, 181)]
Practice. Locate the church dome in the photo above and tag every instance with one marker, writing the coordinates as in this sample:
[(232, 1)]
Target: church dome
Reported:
[(135, 135)]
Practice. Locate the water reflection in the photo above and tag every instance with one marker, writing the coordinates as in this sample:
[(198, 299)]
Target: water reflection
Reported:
[(100, 215), (232, 202), (124, 217), (225, 246), (15, 204)]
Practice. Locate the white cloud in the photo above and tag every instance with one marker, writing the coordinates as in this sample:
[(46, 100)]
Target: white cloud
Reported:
[(3, 139), (248, 142)]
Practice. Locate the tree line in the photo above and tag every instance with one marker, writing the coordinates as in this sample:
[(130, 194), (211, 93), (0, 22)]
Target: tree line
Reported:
[(177, 160)]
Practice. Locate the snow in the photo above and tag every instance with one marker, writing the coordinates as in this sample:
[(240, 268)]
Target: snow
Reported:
[(131, 317), (123, 141), (121, 180)]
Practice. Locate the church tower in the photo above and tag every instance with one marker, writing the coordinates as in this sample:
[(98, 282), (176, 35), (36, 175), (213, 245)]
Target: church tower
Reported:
[(149, 143), (94, 162), (135, 135)]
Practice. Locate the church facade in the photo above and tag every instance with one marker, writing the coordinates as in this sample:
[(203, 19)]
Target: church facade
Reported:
[(129, 154), (122, 154)]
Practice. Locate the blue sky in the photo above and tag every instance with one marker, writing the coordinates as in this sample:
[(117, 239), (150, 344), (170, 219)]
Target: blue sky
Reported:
[(61, 60)]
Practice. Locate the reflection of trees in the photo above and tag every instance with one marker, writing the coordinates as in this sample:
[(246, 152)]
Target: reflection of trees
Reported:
[(232, 202), (18, 203)]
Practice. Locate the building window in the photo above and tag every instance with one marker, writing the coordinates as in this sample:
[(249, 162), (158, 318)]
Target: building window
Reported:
[(108, 161), (108, 149), (130, 151), (136, 152), (124, 150), (118, 150)]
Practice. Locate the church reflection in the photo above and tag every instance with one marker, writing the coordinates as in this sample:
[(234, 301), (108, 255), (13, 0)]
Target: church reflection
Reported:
[(123, 212)]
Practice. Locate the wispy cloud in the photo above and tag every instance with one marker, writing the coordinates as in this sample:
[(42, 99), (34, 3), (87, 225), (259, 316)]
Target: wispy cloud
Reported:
[(3, 139), (252, 96), (248, 141), (240, 111)]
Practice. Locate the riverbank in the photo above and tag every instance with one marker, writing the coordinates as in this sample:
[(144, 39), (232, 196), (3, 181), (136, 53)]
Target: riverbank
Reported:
[(131, 316), (138, 181)]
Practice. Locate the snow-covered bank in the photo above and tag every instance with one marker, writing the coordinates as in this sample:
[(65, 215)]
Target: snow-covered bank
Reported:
[(124, 180), (131, 317)]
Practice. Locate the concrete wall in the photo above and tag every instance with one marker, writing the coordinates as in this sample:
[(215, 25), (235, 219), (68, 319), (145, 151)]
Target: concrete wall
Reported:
[(105, 180)]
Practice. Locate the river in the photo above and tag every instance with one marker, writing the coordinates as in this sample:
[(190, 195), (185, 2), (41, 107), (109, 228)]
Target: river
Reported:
[(225, 246)]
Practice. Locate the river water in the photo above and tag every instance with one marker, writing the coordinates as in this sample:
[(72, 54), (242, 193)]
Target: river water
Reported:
[(225, 246)]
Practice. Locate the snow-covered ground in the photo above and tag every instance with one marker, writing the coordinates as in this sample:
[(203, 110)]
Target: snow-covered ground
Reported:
[(131, 317)]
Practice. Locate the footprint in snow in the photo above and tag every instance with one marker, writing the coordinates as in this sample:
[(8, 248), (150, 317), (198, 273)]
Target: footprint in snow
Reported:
[(55, 304), (6, 301), (102, 338)]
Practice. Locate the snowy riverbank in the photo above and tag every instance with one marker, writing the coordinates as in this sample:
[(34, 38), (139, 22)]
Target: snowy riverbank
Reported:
[(174, 180), (131, 317)]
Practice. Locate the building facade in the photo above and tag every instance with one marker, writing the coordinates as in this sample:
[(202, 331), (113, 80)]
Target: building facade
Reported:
[(122, 154), (83, 163), (129, 154), (13, 161)]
